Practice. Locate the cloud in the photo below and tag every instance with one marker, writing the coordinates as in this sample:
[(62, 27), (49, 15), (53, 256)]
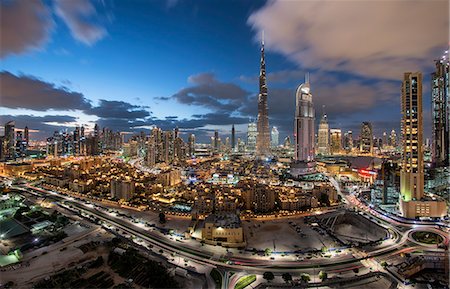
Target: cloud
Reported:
[(118, 110), (373, 38), (45, 125), (24, 26), (208, 92), (28, 92), (78, 16)]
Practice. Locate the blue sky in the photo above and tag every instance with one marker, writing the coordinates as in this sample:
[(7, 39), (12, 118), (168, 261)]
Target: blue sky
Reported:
[(194, 64)]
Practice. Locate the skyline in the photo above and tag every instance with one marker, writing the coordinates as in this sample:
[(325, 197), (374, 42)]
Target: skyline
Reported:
[(204, 76)]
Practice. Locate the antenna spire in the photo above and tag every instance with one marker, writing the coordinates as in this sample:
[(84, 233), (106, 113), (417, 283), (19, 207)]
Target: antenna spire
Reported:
[(262, 37), (307, 77)]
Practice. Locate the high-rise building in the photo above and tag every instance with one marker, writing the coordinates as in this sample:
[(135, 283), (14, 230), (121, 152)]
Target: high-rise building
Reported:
[(151, 151), (348, 141), (191, 141), (336, 141), (411, 177), (216, 140), (263, 136), (323, 137), (366, 138), (304, 123), (393, 138), (9, 140), (385, 140), (412, 201), (274, 135), (441, 112), (287, 142), (26, 135), (251, 136), (233, 139)]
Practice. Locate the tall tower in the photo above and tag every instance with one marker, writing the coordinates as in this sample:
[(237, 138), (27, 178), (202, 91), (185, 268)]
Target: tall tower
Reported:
[(251, 136), (275, 135), (9, 139), (233, 139), (323, 142), (263, 137), (304, 123), (411, 174), (366, 140), (441, 112)]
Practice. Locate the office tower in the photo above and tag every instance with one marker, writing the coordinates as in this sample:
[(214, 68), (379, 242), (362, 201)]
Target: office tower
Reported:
[(287, 142), (251, 136), (191, 142), (274, 137), (323, 138), (366, 138), (151, 151), (304, 123), (385, 140), (263, 136), (393, 139), (348, 141), (176, 133), (20, 145), (413, 203), (336, 141), (216, 140), (411, 177), (233, 138), (26, 136), (9, 139), (441, 112), (168, 147)]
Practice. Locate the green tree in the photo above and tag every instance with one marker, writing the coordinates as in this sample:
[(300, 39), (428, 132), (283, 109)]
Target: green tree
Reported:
[(267, 252), (268, 276), (287, 277), (323, 275), (305, 277), (384, 264)]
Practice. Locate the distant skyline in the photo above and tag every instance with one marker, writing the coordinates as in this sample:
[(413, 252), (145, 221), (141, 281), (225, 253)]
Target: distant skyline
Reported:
[(128, 65)]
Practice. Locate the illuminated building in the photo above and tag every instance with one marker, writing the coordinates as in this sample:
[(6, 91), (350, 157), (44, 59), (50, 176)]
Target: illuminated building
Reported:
[(304, 123), (122, 189), (224, 229), (151, 152), (263, 136), (336, 141), (393, 139), (191, 141), (10, 150), (251, 137), (348, 141), (441, 112), (412, 201), (233, 139), (274, 136), (366, 138), (323, 139)]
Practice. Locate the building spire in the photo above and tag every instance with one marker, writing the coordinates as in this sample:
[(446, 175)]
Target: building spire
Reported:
[(307, 77), (262, 38)]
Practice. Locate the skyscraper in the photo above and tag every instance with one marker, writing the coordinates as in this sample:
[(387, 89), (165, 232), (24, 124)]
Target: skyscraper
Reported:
[(411, 175), (393, 138), (251, 137), (348, 141), (441, 112), (304, 123), (9, 139), (323, 142), (263, 136), (216, 140), (413, 203), (233, 139), (191, 141), (336, 141), (366, 138), (274, 135)]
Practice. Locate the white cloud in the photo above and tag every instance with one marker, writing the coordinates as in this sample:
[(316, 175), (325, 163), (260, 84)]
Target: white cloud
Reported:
[(372, 38), (78, 16)]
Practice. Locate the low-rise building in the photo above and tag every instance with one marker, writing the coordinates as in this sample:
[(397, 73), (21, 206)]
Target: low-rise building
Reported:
[(224, 228)]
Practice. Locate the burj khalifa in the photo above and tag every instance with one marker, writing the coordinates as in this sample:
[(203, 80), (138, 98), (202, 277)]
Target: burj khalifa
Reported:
[(263, 137)]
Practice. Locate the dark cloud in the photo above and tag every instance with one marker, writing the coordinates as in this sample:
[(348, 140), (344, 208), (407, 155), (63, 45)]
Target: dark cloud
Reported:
[(208, 92), (46, 125), (28, 92), (79, 16), (24, 25), (118, 110)]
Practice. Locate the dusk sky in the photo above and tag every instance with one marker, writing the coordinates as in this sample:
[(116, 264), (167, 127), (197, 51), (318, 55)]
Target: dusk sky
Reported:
[(128, 65)]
